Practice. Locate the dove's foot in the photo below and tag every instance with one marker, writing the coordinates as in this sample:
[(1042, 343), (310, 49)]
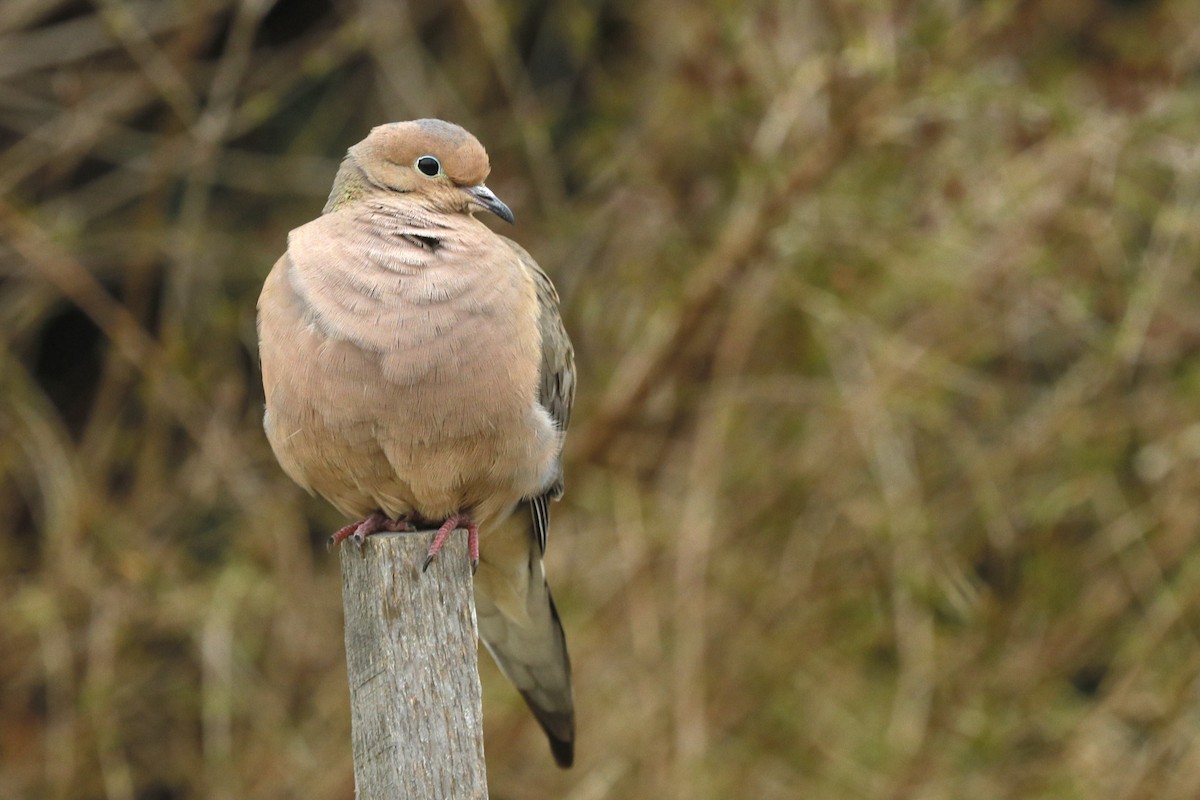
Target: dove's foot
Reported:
[(444, 532), (375, 523)]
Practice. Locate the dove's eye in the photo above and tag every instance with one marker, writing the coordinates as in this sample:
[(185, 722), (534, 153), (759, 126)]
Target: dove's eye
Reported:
[(428, 165)]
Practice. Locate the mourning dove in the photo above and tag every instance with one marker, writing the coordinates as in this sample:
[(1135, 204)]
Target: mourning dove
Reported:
[(416, 371)]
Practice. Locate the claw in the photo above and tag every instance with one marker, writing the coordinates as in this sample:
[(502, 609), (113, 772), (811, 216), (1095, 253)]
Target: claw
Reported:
[(375, 523), (439, 539), (473, 545), (342, 533), (443, 533)]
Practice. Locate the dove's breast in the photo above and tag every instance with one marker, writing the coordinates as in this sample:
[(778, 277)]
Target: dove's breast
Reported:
[(401, 368)]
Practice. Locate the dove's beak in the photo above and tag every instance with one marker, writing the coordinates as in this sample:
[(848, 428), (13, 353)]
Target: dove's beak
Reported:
[(483, 197)]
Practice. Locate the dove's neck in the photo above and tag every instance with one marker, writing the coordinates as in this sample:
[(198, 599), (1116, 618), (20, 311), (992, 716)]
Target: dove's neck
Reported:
[(350, 184)]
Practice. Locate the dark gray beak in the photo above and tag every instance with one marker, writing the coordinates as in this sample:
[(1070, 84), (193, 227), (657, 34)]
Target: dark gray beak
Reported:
[(483, 197)]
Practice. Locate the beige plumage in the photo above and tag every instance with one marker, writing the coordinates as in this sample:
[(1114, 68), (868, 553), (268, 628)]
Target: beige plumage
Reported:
[(416, 371)]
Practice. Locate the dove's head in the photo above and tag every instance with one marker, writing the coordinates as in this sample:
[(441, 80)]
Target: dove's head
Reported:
[(436, 163)]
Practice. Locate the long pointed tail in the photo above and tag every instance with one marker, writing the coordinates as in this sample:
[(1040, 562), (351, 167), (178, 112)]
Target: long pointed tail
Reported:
[(519, 625)]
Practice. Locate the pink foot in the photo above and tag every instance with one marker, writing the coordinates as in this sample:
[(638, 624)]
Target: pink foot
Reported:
[(443, 533), (375, 523)]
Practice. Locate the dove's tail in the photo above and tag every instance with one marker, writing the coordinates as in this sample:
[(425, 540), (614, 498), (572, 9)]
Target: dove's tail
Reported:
[(519, 625)]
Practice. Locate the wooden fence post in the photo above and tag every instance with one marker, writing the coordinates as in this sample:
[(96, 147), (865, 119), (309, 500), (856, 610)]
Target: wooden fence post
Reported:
[(411, 655)]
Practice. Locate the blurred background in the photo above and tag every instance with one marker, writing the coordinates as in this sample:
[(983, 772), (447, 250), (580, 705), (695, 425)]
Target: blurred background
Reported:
[(884, 476)]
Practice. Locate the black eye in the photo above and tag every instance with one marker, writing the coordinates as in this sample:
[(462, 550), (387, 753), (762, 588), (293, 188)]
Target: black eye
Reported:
[(429, 165)]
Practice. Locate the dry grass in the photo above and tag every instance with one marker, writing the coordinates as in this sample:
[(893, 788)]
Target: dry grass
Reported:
[(885, 475)]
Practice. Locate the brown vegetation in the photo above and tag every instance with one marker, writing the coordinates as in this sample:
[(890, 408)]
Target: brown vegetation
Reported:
[(885, 472)]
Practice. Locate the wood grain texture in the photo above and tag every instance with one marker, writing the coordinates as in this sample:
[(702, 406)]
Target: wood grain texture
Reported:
[(412, 659)]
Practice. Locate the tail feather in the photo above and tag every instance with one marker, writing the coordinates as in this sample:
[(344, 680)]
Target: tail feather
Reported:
[(519, 625), (536, 662)]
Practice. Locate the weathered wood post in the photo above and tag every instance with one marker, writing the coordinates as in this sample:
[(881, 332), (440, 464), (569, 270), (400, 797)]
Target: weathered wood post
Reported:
[(411, 654)]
